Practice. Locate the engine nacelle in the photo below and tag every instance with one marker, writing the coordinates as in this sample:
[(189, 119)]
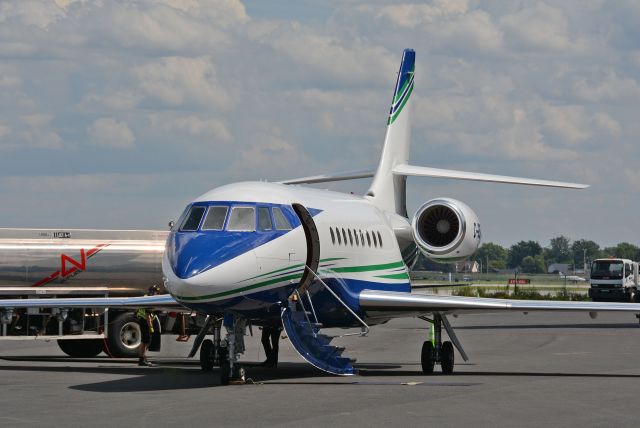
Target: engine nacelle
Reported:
[(446, 230)]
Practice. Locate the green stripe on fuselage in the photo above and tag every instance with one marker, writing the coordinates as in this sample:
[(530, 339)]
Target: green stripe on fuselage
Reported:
[(240, 290), (368, 268), (290, 267), (394, 276)]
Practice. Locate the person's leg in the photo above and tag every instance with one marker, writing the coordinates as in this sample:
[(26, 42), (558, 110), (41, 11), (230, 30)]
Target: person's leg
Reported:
[(275, 345), (145, 336), (266, 335)]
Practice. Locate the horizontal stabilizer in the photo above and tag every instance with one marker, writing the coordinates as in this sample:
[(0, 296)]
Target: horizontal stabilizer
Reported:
[(423, 171), (325, 178)]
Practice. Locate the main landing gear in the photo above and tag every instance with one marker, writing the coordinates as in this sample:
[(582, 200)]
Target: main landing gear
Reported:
[(436, 351)]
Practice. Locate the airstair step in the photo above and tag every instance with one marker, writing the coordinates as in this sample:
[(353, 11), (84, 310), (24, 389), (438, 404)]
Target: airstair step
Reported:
[(314, 346)]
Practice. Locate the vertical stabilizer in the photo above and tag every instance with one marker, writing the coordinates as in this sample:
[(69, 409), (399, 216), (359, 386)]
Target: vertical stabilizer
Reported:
[(388, 191)]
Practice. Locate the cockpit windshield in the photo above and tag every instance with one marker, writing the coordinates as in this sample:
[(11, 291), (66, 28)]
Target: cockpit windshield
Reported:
[(222, 216), (192, 221), (242, 219), (607, 269), (215, 218)]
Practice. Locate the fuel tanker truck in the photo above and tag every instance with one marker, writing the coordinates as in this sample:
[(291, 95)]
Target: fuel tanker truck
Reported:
[(45, 263)]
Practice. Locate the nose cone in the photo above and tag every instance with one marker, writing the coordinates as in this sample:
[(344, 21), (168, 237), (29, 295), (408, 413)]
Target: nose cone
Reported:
[(192, 253)]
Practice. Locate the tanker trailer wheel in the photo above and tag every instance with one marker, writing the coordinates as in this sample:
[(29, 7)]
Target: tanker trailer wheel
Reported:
[(206, 355), (124, 336), (81, 348)]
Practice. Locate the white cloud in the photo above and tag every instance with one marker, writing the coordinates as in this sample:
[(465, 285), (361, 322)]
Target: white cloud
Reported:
[(109, 132), (4, 130), (609, 87), (31, 12), (32, 131), (413, 15), (541, 27), (180, 81), (569, 123), (192, 125)]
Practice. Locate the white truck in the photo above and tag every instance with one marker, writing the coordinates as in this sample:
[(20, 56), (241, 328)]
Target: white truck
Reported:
[(614, 280)]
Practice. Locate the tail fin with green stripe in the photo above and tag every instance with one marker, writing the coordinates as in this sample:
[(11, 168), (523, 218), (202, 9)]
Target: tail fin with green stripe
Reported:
[(388, 191)]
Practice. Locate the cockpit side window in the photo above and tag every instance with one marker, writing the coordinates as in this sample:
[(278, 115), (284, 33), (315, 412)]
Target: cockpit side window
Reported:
[(192, 221), (178, 223), (264, 219), (282, 223), (215, 218), (242, 219)]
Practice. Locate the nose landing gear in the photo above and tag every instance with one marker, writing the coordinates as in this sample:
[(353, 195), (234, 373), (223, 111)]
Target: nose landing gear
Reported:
[(231, 349)]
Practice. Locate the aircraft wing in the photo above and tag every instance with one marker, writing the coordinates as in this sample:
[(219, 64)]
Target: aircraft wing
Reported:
[(159, 302), (415, 303)]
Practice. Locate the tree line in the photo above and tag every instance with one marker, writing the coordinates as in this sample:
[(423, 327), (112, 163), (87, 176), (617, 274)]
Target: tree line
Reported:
[(531, 257)]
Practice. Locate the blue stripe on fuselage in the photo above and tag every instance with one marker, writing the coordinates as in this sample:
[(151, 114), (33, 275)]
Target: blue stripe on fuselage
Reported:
[(264, 303)]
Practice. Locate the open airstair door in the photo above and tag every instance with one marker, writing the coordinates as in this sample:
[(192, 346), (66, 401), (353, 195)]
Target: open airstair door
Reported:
[(299, 318), (313, 246)]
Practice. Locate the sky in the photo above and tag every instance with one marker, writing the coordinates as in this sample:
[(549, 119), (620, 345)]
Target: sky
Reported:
[(115, 114)]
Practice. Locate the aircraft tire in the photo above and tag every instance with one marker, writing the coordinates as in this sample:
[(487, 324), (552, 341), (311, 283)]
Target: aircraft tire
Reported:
[(81, 348), (447, 358), (124, 336), (225, 375), (206, 355), (427, 357)]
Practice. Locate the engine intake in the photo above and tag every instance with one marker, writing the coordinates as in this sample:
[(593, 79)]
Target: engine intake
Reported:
[(446, 229)]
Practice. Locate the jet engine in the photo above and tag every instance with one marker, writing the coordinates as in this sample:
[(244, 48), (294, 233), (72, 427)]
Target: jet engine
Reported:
[(446, 230)]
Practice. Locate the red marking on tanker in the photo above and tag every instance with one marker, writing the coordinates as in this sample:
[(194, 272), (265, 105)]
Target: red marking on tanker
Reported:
[(75, 265), (82, 264), (50, 278)]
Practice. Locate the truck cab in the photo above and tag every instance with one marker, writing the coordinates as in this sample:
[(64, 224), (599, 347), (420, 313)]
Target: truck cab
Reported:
[(614, 280)]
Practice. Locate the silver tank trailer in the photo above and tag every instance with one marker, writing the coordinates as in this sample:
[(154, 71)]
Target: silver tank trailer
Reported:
[(126, 262)]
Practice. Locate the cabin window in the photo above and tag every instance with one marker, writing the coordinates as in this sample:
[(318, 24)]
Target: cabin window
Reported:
[(339, 239), (362, 237), (375, 239), (192, 221), (344, 237), (215, 218), (242, 219), (355, 235), (264, 219), (282, 223), (368, 239), (350, 238), (333, 237), (380, 239)]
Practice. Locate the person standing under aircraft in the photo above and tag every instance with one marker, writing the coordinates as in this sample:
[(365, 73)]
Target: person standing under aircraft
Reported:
[(145, 321), (270, 341)]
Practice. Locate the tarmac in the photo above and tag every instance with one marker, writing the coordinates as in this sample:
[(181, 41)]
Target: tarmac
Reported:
[(539, 369)]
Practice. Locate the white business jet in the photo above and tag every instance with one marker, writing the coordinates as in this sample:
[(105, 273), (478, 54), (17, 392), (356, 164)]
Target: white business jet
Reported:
[(256, 252)]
